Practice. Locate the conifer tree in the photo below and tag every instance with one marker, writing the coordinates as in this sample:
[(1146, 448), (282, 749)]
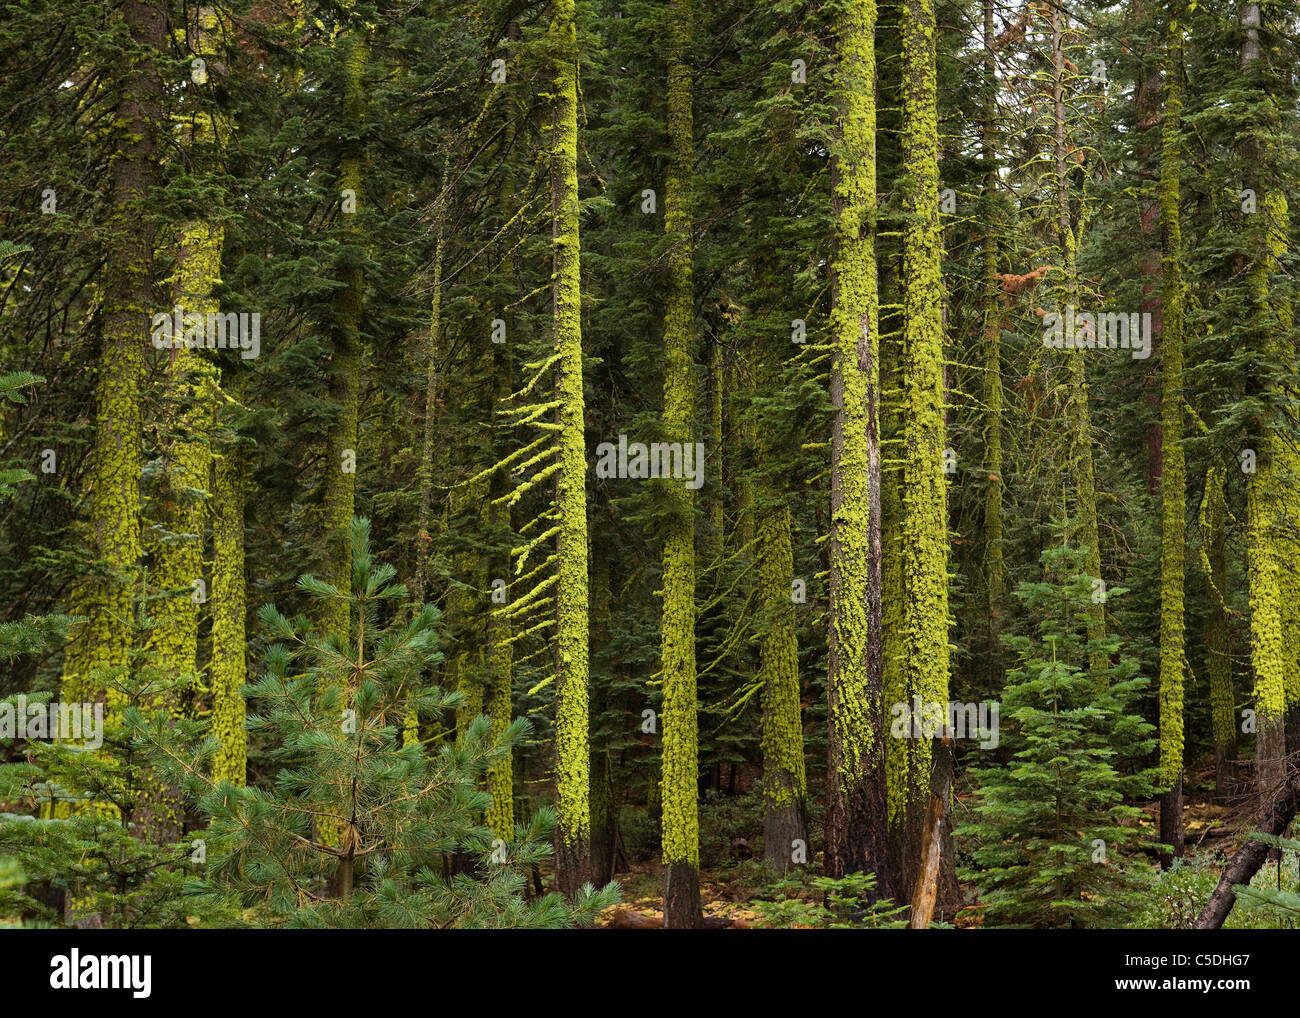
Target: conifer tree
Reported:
[(680, 725), (923, 529), (573, 764), (1053, 837), (114, 497), (855, 820), (1173, 472)]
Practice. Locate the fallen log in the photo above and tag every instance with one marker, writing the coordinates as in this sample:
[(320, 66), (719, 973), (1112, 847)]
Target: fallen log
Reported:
[(1274, 816)]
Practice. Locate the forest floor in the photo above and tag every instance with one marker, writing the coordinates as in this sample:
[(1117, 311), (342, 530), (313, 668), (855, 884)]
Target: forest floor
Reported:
[(728, 892)]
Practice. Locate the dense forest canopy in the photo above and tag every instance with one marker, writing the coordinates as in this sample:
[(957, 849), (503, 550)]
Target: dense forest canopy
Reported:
[(649, 462)]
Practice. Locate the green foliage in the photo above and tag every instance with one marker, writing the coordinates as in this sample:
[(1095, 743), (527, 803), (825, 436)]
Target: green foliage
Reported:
[(411, 850), (76, 818), (1280, 901), (1174, 897), (1053, 839), (827, 903)]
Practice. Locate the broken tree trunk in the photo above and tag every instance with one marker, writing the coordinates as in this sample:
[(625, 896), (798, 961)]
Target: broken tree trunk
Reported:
[(926, 892)]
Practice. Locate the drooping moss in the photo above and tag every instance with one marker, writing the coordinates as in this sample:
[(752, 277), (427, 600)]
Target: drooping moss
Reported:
[(573, 809)]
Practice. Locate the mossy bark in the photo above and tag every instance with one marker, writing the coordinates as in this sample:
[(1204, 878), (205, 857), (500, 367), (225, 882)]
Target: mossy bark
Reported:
[(785, 785), (603, 798), (1085, 531), (573, 774), (341, 453), (1173, 485), (1266, 504), (229, 614), (855, 818), (101, 646), (681, 826), (1264, 499), (994, 569), (500, 651), (345, 358), (1218, 640), (923, 531)]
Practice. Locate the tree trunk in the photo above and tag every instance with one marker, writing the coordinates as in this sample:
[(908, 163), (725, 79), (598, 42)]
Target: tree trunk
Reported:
[(923, 526), (573, 775), (681, 837), (856, 824), (785, 787), (1173, 483)]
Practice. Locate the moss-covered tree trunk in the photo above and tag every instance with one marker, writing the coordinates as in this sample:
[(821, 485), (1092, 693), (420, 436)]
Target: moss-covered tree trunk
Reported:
[(341, 453), (1085, 532), (429, 441), (500, 649), (856, 827), (923, 528), (1218, 639), (102, 645), (990, 295), (573, 808), (1173, 485), (229, 615), (784, 786), (345, 337), (604, 812), (1264, 498), (681, 826)]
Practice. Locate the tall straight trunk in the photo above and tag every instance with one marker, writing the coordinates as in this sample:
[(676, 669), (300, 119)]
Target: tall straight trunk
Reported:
[(994, 570), (923, 524), (177, 553), (429, 441), (681, 827), (500, 651), (712, 545), (103, 642), (1173, 484), (1270, 568), (1263, 492), (339, 502), (784, 785), (229, 614), (345, 367), (1085, 532), (856, 826), (573, 774), (603, 801), (1218, 640)]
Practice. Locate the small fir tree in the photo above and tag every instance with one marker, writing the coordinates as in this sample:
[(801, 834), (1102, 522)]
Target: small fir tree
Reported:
[(1052, 828), (397, 814)]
